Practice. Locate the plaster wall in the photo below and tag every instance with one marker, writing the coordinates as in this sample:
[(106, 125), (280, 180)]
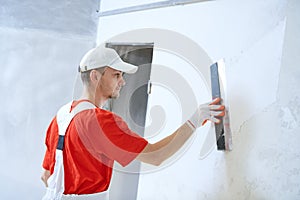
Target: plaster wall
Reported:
[(40, 47), (259, 42), (42, 43)]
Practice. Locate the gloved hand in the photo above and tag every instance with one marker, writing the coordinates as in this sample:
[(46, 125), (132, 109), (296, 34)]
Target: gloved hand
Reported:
[(207, 111)]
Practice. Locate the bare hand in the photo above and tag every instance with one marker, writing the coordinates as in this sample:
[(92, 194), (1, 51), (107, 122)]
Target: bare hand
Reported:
[(45, 176)]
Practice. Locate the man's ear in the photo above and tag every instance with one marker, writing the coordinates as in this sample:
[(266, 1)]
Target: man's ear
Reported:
[(95, 76)]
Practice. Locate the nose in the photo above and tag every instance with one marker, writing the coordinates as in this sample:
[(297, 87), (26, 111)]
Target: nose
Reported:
[(123, 82)]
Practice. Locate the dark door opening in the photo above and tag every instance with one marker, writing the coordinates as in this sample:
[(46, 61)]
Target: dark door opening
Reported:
[(132, 107)]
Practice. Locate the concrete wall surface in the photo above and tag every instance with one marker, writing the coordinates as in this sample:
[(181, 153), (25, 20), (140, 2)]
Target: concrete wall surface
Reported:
[(42, 43)]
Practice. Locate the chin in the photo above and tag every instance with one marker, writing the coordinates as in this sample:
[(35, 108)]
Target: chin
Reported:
[(114, 96)]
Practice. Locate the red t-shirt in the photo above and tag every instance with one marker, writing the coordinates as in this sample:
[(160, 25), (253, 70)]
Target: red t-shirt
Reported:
[(94, 139)]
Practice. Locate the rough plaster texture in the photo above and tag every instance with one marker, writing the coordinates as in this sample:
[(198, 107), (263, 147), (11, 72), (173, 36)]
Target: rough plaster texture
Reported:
[(37, 77), (69, 17), (42, 43)]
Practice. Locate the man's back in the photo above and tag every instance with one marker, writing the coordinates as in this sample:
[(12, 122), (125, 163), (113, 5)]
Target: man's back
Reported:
[(94, 139)]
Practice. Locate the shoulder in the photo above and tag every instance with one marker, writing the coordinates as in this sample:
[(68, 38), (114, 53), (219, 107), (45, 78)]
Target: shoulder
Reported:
[(53, 124), (109, 119), (105, 114)]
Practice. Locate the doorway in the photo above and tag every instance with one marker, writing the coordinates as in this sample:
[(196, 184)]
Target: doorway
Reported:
[(132, 107)]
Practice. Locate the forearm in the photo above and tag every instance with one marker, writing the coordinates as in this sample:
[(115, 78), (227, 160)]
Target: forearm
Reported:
[(171, 144), (160, 151)]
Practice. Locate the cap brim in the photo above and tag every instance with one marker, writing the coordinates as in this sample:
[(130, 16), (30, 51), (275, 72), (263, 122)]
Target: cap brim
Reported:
[(124, 67)]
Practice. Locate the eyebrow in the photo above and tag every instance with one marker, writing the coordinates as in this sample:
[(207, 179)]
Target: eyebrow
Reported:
[(119, 72)]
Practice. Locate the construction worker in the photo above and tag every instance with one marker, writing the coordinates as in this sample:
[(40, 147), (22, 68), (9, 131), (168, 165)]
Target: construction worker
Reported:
[(83, 140)]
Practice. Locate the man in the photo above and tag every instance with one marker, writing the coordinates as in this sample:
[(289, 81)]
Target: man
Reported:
[(83, 140)]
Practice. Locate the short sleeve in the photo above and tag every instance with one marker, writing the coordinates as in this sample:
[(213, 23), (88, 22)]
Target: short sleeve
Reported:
[(50, 142), (125, 144), (104, 133)]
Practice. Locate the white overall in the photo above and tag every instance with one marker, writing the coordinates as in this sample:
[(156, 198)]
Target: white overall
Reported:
[(55, 182)]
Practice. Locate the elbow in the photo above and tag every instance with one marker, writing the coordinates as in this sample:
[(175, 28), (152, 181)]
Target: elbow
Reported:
[(156, 162), (156, 159), (151, 156), (151, 161)]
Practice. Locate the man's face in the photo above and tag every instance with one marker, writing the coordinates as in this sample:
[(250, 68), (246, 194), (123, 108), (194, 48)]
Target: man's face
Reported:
[(110, 83)]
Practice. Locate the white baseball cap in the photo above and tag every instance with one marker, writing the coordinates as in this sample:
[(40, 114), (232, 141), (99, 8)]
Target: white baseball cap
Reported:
[(102, 56)]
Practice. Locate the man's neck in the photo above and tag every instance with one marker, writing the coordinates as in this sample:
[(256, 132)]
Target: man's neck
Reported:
[(97, 101)]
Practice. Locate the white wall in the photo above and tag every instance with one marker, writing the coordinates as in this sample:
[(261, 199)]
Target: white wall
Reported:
[(258, 40)]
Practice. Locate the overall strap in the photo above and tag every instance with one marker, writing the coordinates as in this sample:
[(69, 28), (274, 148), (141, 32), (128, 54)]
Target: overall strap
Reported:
[(64, 117), (55, 182)]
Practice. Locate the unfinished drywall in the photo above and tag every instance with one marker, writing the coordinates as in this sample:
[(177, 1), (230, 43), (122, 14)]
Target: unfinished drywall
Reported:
[(37, 77), (42, 43), (258, 40), (66, 17)]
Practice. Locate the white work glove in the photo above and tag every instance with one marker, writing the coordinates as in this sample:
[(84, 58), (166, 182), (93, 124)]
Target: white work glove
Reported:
[(207, 111)]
